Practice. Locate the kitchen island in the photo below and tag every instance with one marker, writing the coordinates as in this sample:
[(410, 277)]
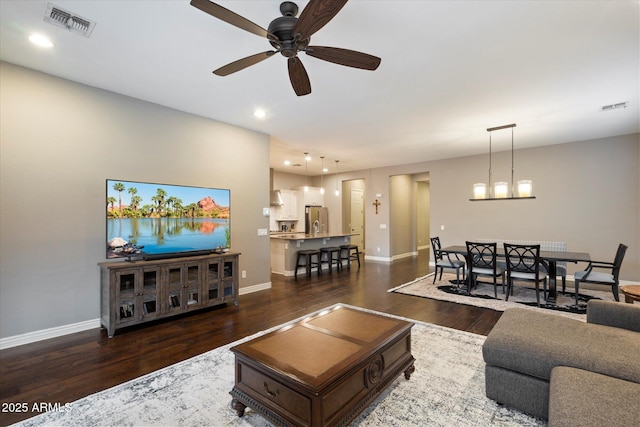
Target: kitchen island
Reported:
[(285, 246)]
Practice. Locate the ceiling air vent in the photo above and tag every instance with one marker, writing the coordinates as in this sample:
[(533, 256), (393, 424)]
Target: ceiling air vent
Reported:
[(68, 20), (612, 107)]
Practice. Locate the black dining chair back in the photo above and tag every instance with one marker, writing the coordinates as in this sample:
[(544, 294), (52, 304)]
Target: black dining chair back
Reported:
[(444, 260), (610, 277), (482, 261), (523, 263)]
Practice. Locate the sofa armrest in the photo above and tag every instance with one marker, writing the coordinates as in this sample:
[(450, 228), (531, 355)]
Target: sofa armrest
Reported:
[(615, 314)]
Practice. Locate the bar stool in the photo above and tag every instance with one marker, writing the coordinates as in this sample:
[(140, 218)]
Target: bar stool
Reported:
[(326, 255), (308, 255), (349, 252)]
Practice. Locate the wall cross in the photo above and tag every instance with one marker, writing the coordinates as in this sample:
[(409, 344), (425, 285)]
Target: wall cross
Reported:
[(376, 204)]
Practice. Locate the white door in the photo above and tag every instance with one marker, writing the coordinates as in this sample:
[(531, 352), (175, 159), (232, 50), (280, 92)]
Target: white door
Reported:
[(357, 218)]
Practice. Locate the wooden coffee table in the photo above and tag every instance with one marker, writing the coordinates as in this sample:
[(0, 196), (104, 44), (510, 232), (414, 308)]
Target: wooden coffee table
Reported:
[(323, 370), (631, 293)]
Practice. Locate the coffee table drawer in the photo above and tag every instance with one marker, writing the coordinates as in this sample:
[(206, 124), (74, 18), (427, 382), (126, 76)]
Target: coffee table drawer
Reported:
[(274, 391)]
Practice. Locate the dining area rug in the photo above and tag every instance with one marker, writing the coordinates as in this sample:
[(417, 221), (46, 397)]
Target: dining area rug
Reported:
[(446, 389), (524, 295)]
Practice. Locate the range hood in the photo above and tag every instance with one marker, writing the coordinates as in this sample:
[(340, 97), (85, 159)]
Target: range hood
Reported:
[(276, 197)]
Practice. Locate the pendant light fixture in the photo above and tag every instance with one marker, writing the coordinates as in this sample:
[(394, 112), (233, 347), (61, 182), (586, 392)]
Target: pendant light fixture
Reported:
[(500, 190), (322, 176), (337, 191)]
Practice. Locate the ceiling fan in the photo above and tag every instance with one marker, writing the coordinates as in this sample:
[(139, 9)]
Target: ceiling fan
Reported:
[(290, 35)]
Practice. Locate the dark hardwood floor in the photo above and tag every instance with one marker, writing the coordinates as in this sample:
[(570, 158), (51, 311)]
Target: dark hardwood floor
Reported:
[(65, 369)]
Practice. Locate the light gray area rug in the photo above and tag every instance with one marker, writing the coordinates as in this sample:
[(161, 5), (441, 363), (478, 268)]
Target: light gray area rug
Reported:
[(447, 389), (524, 295)]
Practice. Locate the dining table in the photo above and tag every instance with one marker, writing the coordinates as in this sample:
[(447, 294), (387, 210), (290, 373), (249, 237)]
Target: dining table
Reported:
[(551, 257)]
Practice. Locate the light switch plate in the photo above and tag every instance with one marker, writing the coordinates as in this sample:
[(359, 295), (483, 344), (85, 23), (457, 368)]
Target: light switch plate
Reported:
[(263, 232)]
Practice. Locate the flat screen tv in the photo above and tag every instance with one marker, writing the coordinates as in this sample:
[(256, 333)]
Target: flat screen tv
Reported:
[(146, 220)]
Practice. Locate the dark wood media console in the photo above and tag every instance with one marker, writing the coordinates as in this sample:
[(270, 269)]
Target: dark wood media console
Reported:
[(323, 370), (142, 291)]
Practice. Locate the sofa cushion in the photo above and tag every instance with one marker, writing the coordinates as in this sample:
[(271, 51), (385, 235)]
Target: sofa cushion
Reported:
[(582, 398), (533, 343), (608, 313)]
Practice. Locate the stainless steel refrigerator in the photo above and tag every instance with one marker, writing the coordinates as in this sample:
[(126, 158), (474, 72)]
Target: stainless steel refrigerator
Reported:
[(316, 220)]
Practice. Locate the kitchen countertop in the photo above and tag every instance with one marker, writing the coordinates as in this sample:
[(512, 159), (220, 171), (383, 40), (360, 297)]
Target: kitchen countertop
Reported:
[(303, 236)]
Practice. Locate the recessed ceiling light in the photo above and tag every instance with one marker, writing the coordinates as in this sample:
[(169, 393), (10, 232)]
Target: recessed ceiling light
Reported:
[(40, 40), (260, 113), (287, 162)]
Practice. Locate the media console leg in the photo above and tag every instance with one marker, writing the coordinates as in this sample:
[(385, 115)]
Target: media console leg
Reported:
[(238, 406)]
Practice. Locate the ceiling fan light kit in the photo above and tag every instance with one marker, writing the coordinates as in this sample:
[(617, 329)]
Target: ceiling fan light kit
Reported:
[(289, 36)]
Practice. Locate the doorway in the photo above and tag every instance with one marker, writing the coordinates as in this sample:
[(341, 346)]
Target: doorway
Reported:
[(353, 211), (409, 214), (357, 217), (423, 224)]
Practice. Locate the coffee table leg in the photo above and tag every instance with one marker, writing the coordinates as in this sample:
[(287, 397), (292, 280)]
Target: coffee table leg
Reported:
[(238, 406), (410, 370)]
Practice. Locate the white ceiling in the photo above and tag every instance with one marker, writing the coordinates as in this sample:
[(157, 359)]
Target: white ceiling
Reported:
[(450, 70)]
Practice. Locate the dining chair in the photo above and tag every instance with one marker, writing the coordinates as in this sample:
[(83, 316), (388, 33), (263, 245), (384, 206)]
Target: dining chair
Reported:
[(444, 260), (609, 278), (524, 264), (482, 261)]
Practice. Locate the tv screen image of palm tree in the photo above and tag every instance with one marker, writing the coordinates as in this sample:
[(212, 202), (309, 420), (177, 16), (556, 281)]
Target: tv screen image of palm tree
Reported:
[(148, 218)]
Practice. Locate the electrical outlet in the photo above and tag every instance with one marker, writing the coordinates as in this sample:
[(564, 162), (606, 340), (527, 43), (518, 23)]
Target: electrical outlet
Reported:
[(442, 228), (244, 274)]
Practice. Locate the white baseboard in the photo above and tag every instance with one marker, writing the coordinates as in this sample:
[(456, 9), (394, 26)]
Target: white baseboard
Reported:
[(377, 258), (45, 334), (405, 255), (254, 288), (392, 258)]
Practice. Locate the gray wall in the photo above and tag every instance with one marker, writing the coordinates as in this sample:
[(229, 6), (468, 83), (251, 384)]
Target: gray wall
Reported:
[(60, 142), (587, 195)]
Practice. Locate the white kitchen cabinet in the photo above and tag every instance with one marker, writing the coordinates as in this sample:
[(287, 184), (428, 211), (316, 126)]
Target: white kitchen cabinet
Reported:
[(289, 208), (311, 197)]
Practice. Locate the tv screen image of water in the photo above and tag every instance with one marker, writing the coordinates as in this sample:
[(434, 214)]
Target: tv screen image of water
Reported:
[(168, 235)]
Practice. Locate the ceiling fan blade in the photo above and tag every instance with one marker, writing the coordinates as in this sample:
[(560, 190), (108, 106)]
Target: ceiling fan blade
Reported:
[(243, 63), (347, 57), (315, 16), (299, 77), (232, 18)]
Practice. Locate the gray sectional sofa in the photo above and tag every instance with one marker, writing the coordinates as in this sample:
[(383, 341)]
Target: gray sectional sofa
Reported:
[(567, 371)]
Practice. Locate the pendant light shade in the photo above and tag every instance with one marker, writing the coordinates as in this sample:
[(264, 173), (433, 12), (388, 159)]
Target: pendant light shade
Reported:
[(501, 190), (525, 188), (479, 190)]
